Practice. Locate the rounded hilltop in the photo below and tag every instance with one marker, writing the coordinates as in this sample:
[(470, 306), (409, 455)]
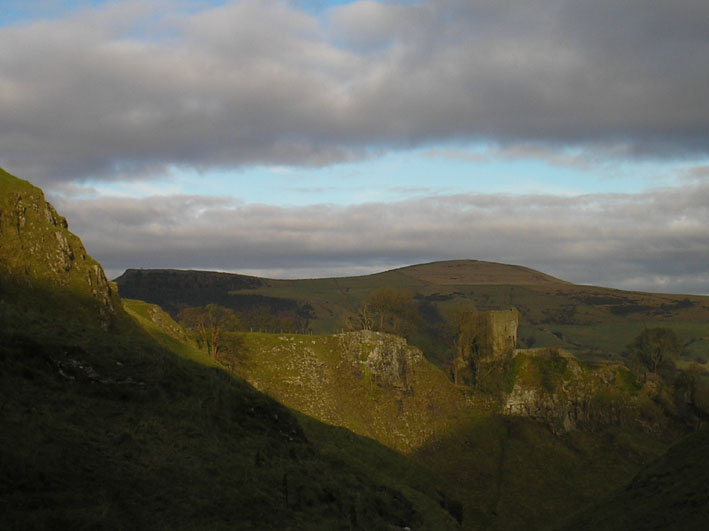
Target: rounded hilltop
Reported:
[(477, 272)]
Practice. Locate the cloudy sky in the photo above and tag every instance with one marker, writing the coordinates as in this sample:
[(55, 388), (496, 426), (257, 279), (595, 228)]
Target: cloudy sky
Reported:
[(318, 138)]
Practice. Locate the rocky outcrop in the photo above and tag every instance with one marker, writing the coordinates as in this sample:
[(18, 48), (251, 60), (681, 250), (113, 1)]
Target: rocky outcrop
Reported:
[(552, 386), (38, 252), (384, 359), (372, 383)]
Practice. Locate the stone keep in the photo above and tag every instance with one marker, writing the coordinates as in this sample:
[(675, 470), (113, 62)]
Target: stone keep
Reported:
[(484, 337)]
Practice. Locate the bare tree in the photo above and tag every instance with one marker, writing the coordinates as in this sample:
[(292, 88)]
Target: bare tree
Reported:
[(655, 346), (210, 323)]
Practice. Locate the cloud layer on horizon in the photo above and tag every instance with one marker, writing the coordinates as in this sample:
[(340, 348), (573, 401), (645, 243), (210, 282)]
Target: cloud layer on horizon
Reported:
[(130, 88), (653, 241), (133, 90)]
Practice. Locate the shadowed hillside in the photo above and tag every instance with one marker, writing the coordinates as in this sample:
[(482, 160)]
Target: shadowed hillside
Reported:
[(120, 421), (669, 494), (114, 420), (514, 464)]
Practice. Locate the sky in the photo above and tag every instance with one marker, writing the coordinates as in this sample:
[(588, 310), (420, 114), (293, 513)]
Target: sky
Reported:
[(300, 139)]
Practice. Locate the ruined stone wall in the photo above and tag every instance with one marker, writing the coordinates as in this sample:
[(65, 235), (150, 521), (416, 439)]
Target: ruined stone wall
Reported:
[(503, 326), (484, 337)]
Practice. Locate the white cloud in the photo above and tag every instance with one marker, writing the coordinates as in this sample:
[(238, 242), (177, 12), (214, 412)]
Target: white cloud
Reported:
[(651, 241), (113, 90)]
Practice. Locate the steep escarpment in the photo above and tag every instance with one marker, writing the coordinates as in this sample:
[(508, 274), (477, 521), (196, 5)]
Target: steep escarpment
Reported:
[(42, 264), (519, 459), (372, 383), (132, 427), (552, 386)]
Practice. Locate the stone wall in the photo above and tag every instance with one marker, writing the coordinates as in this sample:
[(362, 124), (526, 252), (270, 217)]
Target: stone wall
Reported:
[(484, 337)]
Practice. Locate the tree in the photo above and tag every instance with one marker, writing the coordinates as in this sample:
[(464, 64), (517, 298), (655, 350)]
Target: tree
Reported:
[(364, 319), (655, 346), (392, 310), (210, 323)]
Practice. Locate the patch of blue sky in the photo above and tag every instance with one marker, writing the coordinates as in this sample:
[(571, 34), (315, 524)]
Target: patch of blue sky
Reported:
[(402, 175), (18, 12), (315, 7), (318, 6)]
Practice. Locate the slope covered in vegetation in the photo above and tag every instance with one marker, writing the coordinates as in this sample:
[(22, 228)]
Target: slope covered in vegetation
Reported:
[(112, 417), (670, 493), (594, 323), (113, 420), (508, 470)]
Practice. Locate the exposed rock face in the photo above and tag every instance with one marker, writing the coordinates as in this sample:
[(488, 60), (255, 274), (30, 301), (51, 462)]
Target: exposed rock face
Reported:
[(484, 337), (38, 251), (387, 360), (373, 383), (552, 386)]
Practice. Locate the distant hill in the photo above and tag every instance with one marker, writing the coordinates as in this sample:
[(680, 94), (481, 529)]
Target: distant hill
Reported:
[(477, 273), (595, 323), (112, 418), (511, 472)]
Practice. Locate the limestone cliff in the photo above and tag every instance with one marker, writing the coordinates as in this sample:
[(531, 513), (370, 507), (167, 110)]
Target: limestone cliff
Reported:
[(42, 264), (373, 383), (385, 360), (552, 386)]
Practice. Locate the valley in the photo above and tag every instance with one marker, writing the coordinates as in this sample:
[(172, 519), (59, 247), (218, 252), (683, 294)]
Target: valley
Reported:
[(451, 395)]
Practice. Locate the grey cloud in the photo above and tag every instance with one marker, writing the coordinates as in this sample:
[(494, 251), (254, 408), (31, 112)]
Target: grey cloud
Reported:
[(133, 88), (655, 241), (697, 173)]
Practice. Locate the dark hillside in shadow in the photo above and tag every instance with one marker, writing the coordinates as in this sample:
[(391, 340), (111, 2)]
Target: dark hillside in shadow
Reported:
[(108, 423)]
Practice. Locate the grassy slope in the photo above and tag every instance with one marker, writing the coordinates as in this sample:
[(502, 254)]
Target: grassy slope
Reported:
[(515, 474), (114, 431), (137, 429), (509, 473), (669, 494), (310, 374), (340, 445), (165, 332), (592, 322)]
